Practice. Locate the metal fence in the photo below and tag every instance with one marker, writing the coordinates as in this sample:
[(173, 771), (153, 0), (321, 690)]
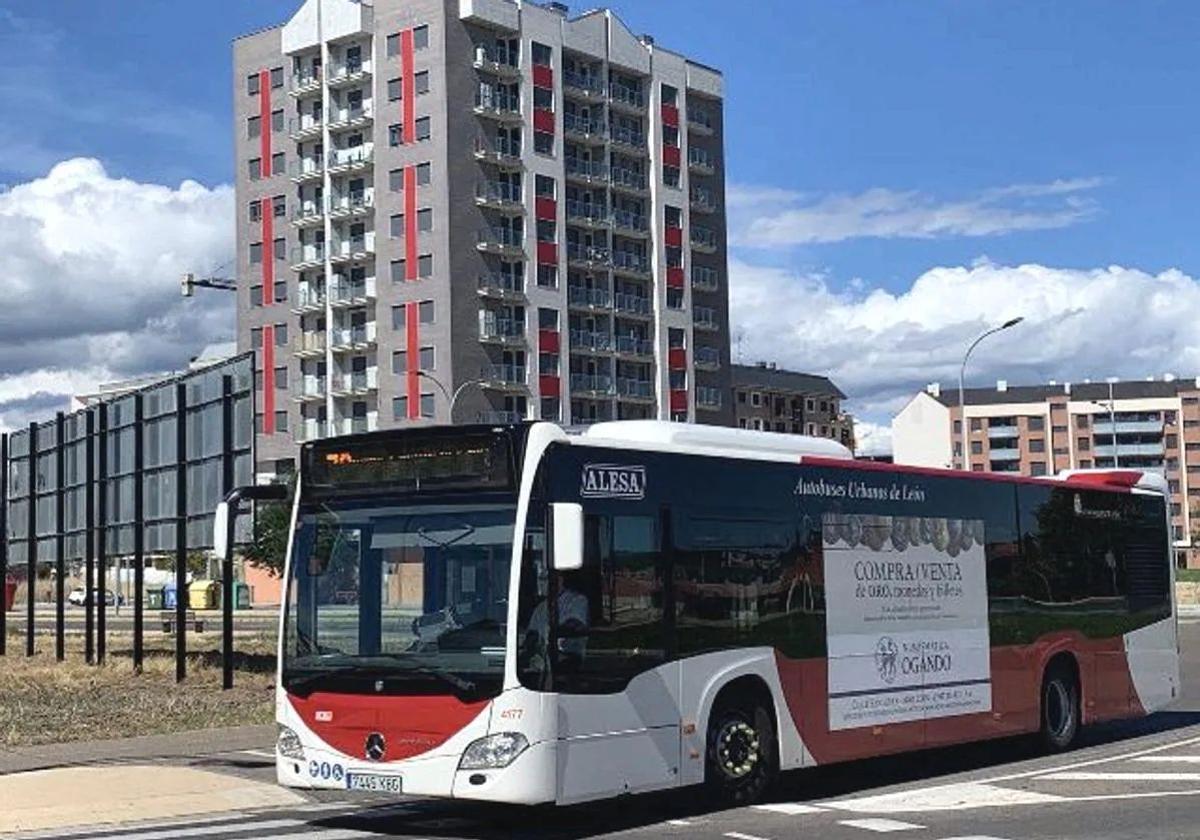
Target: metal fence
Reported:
[(133, 476)]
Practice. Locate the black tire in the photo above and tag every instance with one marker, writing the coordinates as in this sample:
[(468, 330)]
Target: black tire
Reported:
[(1059, 709), (742, 756)]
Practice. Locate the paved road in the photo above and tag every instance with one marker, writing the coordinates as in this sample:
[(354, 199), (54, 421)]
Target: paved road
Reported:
[(1138, 779)]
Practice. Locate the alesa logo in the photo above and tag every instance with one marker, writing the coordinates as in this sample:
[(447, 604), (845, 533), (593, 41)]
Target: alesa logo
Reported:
[(612, 481)]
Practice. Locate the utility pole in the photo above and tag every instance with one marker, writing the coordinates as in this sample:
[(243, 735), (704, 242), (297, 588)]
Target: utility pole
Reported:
[(190, 282)]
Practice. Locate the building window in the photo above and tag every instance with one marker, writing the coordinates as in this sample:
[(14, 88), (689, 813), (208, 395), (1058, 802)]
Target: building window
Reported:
[(543, 143), (544, 186), (426, 361), (976, 447), (399, 361), (256, 295), (276, 77), (421, 36), (755, 399), (547, 276), (1081, 421), (396, 180), (976, 424), (1037, 424), (671, 176), (424, 174), (393, 90), (541, 54), (1037, 467), (252, 88), (427, 406), (279, 248), (393, 46), (256, 336), (543, 99), (675, 298), (670, 94), (253, 127), (395, 135), (422, 128), (1037, 445), (425, 312), (425, 265), (1083, 444), (255, 253), (421, 82), (254, 168), (279, 206), (398, 271), (281, 292), (281, 378), (278, 164), (396, 225), (425, 220), (255, 210), (400, 408), (281, 335), (281, 421), (277, 120)]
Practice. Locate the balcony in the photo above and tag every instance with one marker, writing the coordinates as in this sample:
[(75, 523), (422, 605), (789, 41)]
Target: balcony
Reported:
[(311, 429), (708, 397), (705, 279), (354, 337), (629, 223), (582, 85), (704, 240), (700, 161), (347, 73), (306, 169), (356, 383), (637, 390), (353, 248), (634, 347), (352, 204), (340, 118), (626, 97), (586, 171), (707, 358), (304, 127), (592, 385), (1001, 432), (629, 139), (700, 122), (499, 195), (1128, 427), (505, 377), (1005, 454), (702, 201), (587, 213), (704, 318), (311, 345), (630, 263), (305, 82), (498, 105), (583, 130), (500, 151), (348, 160), (588, 256), (310, 255), (498, 62), (500, 418), (1128, 450), (309, 299), (357, 425), (628, 180), (636, 305), (506, 242), (312, 388), (502, 286), (587, 341), (307, 214), (500, 330), (583, 297), (344, 293)]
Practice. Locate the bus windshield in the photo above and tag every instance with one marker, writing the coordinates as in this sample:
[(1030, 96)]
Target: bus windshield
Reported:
[(389, 596)]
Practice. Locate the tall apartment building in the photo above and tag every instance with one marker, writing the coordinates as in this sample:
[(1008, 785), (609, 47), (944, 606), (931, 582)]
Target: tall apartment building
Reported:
[(483, 202), (1044, 429), (771, 399)]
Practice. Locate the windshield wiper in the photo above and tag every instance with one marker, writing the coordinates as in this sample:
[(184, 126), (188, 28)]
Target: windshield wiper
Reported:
[(454, 680), (306, 684)]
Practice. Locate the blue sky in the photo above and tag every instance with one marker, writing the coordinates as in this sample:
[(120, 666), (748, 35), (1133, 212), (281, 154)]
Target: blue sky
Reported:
[(870, 146)]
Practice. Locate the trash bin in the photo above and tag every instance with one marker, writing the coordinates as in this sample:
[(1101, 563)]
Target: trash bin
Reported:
[(154, 598), (10, 593), (241, 596), (204, 595), (168, 597)]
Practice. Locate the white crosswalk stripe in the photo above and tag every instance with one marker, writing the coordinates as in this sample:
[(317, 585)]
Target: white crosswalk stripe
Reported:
[(882, 826), (789, 809), (1170, 759), (1117, 776), (205, 830)]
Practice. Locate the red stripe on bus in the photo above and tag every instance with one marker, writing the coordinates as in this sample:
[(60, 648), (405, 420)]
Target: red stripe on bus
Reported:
[(932, 472)]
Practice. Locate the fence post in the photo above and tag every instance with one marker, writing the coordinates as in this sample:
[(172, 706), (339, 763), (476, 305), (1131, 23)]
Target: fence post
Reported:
[(227, 594), (3, 543), (102, 533), (181, 593), (31, 541), (139, 531), (89, 539), (60, 539)]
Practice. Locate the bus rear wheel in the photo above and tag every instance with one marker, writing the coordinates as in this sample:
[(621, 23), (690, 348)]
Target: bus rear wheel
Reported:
[(1060, 709), (742, 757)]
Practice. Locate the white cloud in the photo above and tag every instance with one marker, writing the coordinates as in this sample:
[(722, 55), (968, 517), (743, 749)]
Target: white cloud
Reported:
[(882, 347), (89, 279), (872, 438), (767, 217)]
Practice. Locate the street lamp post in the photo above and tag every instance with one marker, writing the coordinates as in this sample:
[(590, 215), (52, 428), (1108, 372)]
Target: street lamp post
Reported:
[(452, 399), (962, 374)]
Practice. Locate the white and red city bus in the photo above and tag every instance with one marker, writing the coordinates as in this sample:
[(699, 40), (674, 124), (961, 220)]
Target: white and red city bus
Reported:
[(526, 614)]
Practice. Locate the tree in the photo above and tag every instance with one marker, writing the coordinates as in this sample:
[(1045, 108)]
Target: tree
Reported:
[(268, 549)]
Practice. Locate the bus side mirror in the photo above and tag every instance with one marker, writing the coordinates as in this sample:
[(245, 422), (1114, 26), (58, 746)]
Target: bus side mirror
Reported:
[(566, 520), (221, 530)]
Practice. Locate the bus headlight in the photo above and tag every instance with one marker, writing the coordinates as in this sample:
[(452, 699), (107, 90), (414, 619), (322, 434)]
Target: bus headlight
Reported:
[(288, 744), (494, 751)]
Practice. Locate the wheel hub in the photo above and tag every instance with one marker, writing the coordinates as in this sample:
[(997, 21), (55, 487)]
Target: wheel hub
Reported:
[(737, 749)]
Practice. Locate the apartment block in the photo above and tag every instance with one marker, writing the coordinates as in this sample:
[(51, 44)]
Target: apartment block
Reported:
[(1045, 429), (480, 205), (771, 399)]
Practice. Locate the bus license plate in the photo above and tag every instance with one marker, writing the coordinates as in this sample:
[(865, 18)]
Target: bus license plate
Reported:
[(373, 782)]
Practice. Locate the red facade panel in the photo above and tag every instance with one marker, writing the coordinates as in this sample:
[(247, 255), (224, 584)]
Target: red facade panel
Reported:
[(548, 341), (679, 401), (543, 120), (673, 236), (677, 358), (264, 121), (268, 379), (410, 223), (547, 253), (267, 211), (675, 279), (546, 208), (413, 352), (543, 76), (670, 115), (408, 85), (671, 156), (550, 386)]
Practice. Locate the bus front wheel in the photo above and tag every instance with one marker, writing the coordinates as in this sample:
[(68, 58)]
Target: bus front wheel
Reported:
[(742, 758), (1060, 708)]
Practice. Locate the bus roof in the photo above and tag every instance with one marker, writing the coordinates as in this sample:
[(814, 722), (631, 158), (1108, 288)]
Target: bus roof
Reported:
[(715, 440)]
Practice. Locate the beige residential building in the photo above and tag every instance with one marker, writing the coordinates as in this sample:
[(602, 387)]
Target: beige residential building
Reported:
[(1044, 429)]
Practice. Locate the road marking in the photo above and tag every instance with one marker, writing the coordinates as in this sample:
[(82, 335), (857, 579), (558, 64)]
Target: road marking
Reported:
[(327, 834), (1094, 761), (952, 797), (789, 809), (737, 835), (1177, 759), (1122, 777), (683, 823), (259, 754), (880, 825), (117, 831), (204, 830)]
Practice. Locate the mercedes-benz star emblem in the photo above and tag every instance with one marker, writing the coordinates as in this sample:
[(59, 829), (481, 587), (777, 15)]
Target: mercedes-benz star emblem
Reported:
[(375, 747)]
